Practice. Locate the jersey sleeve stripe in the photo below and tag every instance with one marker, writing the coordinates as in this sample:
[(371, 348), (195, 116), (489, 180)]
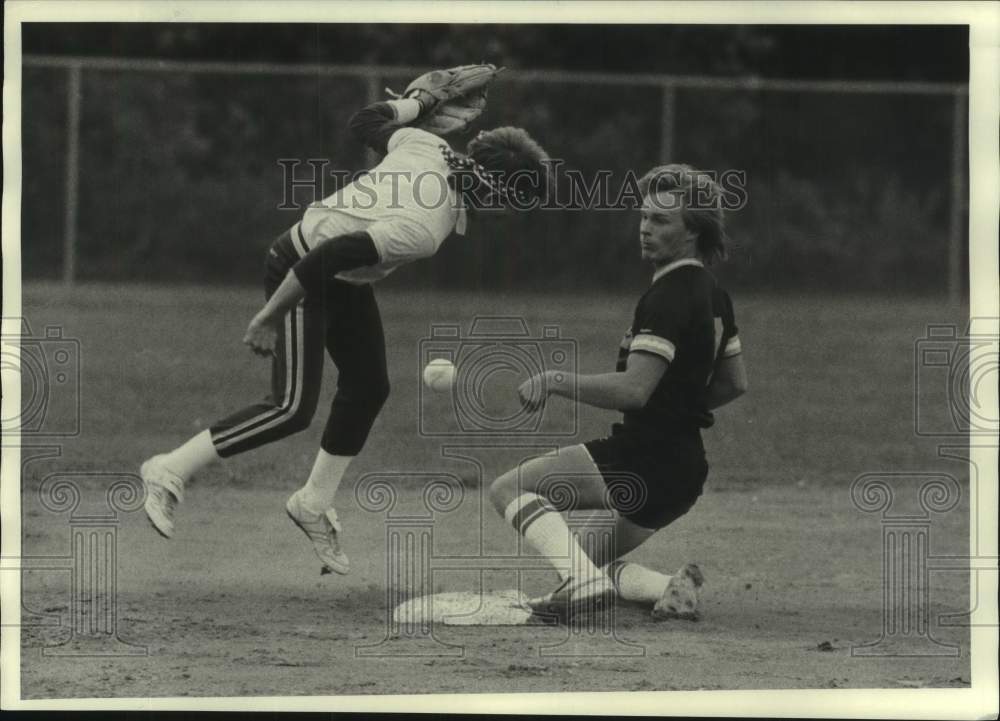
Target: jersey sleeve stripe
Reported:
[(299, 241), (654, 344), (733, 347)]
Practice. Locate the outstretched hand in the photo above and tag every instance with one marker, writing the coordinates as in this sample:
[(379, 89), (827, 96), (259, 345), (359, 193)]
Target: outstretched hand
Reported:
[(533, 392), (262, 336)]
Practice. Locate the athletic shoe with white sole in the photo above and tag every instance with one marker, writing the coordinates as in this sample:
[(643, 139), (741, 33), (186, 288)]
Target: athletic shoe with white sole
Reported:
[(323, 529), (164, 490), (680, 597), (573, 598)]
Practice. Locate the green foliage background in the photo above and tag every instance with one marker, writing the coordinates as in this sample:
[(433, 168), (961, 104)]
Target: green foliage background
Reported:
[(179, 174)]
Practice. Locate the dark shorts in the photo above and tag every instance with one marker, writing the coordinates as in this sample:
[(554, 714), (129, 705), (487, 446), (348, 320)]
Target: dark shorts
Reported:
[(651, 484)]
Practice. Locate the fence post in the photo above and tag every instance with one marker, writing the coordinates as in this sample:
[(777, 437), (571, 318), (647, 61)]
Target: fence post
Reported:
[(957, 217), (667, 123), (73, 100)]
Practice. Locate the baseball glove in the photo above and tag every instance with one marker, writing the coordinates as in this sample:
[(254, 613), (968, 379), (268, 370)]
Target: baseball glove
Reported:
[(451, 99)]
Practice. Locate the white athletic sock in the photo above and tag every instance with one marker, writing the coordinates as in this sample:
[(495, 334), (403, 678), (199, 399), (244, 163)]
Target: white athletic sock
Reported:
[(637, 583), (324, 480), (544, 528), (188, 459)]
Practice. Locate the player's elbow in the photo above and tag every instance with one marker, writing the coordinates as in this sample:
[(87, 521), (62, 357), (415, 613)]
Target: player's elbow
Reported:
[(635, 398), (730, 385), (366, 124), (739, 387), (356, 125), (731, 392)]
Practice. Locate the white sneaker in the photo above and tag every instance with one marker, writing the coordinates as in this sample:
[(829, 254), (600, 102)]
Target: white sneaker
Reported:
[(323, 529), (164, 490), (575, 598), (680, 597)]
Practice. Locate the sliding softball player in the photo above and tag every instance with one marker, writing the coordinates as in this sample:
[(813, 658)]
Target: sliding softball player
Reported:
[(680, 358)]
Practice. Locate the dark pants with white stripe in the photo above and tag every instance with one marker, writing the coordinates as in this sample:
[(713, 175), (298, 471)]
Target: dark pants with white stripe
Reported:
[(343, 319)]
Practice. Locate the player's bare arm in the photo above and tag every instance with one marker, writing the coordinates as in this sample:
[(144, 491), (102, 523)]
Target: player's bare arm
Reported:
[(330, 257), (729, 382), (624, 391)]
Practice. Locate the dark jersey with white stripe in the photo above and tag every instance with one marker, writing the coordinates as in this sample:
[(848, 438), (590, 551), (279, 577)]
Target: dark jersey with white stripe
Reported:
[(686, 319)]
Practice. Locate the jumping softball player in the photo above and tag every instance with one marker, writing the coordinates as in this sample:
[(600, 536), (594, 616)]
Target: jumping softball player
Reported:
[(679, 359), (318, 286)]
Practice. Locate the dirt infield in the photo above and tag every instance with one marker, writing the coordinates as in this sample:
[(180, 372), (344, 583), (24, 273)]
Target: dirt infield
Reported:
[(234, 604)]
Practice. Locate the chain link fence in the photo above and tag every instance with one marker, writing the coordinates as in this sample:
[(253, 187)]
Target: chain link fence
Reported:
[(169, 171)]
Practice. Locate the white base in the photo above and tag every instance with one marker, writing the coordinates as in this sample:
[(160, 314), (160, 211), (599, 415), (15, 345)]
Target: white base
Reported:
[(465, 608)]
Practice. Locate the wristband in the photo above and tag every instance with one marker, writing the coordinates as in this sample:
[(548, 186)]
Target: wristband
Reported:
[(406, 109)]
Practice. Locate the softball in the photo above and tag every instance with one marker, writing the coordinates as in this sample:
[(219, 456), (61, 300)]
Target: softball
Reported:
[(439, 375)]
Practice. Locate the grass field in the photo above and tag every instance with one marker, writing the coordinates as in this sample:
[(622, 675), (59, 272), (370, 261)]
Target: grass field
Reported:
[(234, 605)]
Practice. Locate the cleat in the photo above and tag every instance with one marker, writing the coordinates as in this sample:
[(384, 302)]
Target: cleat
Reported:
[(574, 598), (323, 529), (680, 597), (164, 490)]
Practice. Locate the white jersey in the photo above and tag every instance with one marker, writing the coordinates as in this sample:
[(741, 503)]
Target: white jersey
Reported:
[(405, 203)]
